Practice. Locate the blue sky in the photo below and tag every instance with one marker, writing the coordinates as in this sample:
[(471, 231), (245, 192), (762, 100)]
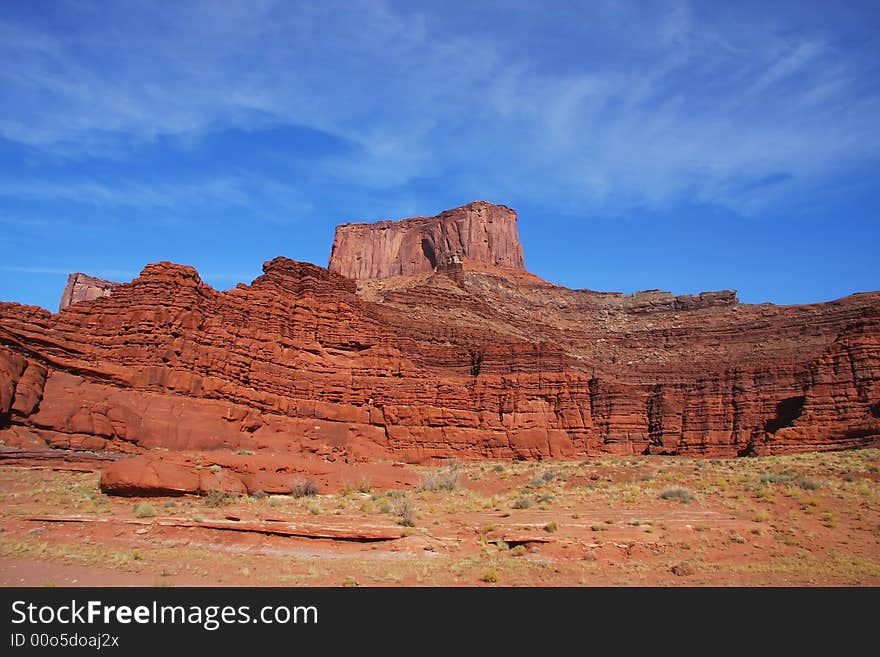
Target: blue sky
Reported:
[(686, 146)]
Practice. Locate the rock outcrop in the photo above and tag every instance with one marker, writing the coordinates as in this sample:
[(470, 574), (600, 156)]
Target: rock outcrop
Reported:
[(479, 232), (306, 362), (81, 287)]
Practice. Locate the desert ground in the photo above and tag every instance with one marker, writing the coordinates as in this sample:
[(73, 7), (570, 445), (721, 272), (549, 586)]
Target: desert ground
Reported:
[(794, 520)]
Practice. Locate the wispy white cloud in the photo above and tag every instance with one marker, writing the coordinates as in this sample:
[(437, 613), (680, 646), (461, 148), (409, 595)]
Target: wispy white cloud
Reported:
[(176, 196), (629, 105)]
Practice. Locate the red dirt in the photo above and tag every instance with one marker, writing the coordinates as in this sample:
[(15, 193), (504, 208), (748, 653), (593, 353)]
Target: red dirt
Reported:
[(819, 525)]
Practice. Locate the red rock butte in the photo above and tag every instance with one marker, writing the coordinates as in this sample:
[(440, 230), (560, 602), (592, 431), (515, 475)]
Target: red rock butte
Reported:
[(399, 351), (478, 232), (81, 287)]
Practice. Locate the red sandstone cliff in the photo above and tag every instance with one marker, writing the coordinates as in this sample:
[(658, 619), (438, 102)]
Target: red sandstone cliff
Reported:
[(81, 287), (305, 361), (478, 232)]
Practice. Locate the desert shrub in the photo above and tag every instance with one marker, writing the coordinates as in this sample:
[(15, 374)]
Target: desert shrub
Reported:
[(304, 488), (683, 569), (405, 510), (144, 510), (365, 486), (245, 452), (762, 516), (522, 503), (680, 494), (551, 527), (215, 468), (544, 478), (490, 576), (807, 484), (444, 480), (776, 478), (498, 468), (519, 551), (215, 498)]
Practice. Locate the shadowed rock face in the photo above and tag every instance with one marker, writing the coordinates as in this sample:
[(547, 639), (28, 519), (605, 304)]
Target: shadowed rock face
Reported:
[(477, 232), (494, 363), (81, 287)]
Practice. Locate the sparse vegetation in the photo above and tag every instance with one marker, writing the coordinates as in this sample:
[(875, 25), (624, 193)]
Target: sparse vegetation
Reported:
[(783, 478), (680, 494), (489, 576), (444, 480), (303, 488), (144, 510), (405, 510), (683, 569), (522, 503), (216, 498), (542, 479), (811, 522)]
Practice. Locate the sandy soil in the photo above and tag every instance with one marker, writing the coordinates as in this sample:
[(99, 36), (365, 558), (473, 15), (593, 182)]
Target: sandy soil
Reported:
[(798, 520)]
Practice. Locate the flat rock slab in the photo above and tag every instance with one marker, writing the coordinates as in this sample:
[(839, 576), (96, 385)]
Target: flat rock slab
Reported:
[(365, 534), (56, 454)]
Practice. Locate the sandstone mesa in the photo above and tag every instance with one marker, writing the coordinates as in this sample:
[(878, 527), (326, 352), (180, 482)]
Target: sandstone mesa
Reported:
[(424, 338)]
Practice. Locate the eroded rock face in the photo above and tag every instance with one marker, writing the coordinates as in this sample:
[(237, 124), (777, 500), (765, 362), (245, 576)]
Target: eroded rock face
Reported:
[(306, 362), (479, 232), (81, 287)]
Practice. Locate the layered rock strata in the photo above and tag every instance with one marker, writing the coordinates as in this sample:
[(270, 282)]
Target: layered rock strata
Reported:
[(307, 362)]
